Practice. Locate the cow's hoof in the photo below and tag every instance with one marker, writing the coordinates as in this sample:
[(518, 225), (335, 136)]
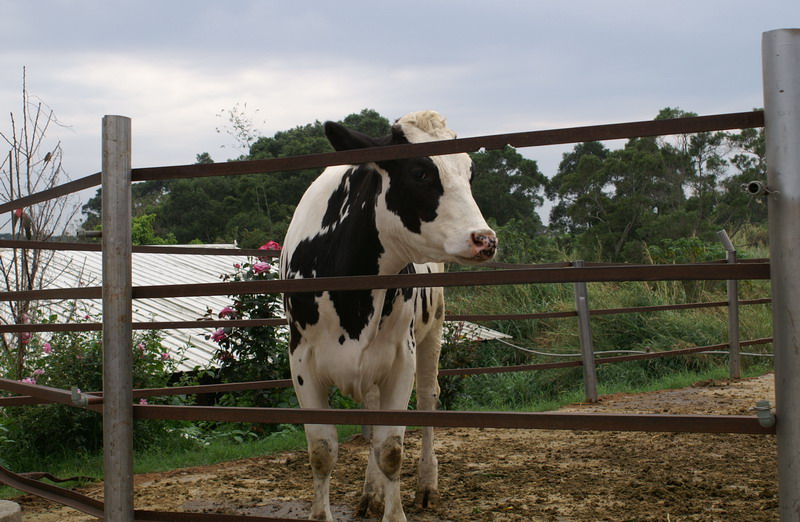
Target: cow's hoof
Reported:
[(426, 497), (369, 504)]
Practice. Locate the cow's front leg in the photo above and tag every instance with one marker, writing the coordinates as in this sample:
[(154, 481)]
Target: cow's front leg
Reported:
[(323, 441), (323, 450), (372, 497), (386, 448), (427, 492)]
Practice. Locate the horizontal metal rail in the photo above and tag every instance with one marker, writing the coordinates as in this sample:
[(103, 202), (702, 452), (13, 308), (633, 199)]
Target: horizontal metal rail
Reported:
[(718, 122), (453, 419), (96, 397), (489, 277), (281, 321), (140, 249)]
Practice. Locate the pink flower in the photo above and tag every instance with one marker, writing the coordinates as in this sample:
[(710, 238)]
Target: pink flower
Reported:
[(46, 348), (25, 337), (261, 267), (237, 265), (38, 371), (28, 380), (218, 335), (165, 356), (140, 346), (269, 245), (227, 312), (86, 316), (143, 402)]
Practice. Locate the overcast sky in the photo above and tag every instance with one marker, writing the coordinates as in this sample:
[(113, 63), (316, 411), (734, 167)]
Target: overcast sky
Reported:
[(489, 67)]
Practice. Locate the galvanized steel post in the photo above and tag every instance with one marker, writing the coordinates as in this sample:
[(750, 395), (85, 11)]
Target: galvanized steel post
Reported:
[(781, 69), (585, 334), (117, 320), (734, 347)]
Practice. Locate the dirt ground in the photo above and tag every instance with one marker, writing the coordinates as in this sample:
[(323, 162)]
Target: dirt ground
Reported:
[(488, 474)]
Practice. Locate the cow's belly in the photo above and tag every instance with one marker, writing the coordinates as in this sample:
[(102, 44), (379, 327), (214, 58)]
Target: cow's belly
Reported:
[(355, 366)]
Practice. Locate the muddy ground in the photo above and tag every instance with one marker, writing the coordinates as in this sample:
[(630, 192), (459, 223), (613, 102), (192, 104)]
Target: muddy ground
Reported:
[(488, 474)]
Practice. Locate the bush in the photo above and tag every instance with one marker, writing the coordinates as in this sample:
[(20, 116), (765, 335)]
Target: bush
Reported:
[(254, 353), (70, 359)]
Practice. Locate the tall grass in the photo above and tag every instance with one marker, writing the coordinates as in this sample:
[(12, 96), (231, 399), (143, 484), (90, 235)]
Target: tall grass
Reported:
[(640, 331)]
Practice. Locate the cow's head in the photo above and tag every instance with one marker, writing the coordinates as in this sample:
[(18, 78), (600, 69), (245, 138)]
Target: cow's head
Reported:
[(429, 213)]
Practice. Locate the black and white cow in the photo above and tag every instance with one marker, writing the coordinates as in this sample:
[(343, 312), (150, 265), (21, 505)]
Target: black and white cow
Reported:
[(378, 218)]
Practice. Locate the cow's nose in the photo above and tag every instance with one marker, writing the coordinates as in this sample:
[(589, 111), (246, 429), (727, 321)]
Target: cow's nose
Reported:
[(484, 244)]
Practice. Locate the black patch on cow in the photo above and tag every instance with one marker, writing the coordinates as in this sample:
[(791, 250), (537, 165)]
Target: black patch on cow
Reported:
[(300, 380), (423, 296), (341, 339), (347, 245), (415, 188), (294, 335), (391, 294)]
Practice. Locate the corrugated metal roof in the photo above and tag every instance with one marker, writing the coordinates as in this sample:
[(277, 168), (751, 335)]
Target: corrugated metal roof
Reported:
[(69, 269), (79, 269)]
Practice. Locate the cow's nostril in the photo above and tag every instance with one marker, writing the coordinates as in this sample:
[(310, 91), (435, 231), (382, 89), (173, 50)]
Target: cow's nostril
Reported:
[(485, 244)]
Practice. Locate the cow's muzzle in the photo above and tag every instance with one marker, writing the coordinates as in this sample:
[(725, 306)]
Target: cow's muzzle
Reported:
[(484, 245)]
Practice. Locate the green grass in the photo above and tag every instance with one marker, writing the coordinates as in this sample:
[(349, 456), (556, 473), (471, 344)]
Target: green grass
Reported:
[(510, 399), (165, 458)]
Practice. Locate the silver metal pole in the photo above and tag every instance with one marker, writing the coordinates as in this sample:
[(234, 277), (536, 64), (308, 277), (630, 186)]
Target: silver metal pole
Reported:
[(781, 63), (734, 348), (117, 317), (585, 334)]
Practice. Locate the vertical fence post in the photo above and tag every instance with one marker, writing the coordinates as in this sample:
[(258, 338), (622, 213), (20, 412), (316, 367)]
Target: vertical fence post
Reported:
[(117, 317), (781, 69), (585, 334), (734, 351)]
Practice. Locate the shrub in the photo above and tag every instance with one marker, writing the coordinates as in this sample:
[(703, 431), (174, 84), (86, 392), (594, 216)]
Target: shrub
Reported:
[(70, 359), (258, 352)]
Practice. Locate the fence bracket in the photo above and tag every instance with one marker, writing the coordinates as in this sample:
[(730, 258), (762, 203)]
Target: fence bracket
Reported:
[(764, 413), (79, 399)]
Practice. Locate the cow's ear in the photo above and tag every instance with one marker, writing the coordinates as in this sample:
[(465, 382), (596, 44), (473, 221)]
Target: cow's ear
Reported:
[(343, 138)]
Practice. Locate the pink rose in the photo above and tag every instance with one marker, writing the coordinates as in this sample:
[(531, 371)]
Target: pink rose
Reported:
[(269, 245), (165, 356), (143, 402), (261, 267), (25, 337), (46, 348), (38, 371), (28, 380), (227, 312), (218, 335)]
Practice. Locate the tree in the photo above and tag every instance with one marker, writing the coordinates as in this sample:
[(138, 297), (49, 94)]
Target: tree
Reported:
[(737, 208), (508, 186), (32, 164)]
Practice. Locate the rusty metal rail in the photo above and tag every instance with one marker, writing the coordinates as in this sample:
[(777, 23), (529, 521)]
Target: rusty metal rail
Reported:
[(45, 394), (553, 421), (689, 272), (281, 321), (718, 122)]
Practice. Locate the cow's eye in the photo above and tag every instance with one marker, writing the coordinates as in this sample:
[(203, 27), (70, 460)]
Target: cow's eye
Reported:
[(419, 174)]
